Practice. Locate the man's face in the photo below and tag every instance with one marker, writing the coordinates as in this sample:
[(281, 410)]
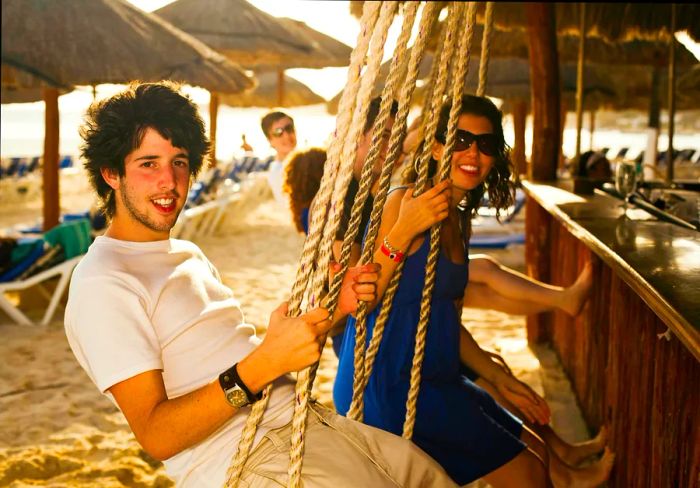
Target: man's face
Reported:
[(282, 136), (364, 147), (152, 192)]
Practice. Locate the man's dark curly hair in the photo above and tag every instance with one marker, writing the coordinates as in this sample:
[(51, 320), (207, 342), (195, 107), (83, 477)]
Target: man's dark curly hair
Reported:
[(114, 127)]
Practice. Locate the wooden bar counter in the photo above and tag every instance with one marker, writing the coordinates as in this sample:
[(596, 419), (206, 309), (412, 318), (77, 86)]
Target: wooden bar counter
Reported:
[(633, 354)]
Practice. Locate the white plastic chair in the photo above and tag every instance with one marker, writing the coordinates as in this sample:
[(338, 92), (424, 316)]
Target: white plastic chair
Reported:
[(62, 270)]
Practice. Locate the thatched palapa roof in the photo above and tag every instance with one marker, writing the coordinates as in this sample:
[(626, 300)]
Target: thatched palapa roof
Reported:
[(325, 51), (611, 21), (88, 42), (508, 79), (237, 29), (265, 94)]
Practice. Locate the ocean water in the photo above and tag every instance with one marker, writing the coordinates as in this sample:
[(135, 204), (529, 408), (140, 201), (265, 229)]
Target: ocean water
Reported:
[(22, 132)]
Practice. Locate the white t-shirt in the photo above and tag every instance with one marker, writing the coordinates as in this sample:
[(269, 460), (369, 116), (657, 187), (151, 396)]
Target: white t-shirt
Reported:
[(140, 306), (275, 178)]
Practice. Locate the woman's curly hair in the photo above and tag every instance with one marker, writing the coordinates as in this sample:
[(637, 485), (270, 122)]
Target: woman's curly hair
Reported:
[(499, 183), (114, 127), (302, 179)]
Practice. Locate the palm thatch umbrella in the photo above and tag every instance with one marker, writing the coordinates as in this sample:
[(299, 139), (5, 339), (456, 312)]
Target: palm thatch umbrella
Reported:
[(265, 94), (237, 29), (244, 34), (254, 39), (88, 42), (508, 79), (611, 21), (326, 52), (21, 87)]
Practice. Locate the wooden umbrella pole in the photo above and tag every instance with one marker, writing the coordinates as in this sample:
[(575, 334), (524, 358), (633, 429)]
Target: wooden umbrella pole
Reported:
[(280, 88), (591, 127), (671, 96), (52, 204), (213, 114), (579, 77)]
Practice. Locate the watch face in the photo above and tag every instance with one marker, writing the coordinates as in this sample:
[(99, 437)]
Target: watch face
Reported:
[(237, 397)]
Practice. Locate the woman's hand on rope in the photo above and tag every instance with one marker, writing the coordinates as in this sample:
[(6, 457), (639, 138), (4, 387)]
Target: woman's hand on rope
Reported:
[(359, 285), (530, 404), (418, 214), (291, 343)]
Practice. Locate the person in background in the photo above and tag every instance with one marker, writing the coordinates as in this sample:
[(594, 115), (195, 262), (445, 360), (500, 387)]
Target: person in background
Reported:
[(302, 178), (595, 166), (279, 130)]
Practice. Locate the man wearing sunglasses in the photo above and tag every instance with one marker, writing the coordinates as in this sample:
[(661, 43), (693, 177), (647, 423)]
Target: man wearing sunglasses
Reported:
[(279, 129)]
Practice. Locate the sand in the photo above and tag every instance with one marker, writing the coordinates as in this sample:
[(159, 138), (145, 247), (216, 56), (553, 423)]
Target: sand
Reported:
[(57, 430)]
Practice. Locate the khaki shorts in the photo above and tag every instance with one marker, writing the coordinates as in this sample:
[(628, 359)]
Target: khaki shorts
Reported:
[(342, 453)]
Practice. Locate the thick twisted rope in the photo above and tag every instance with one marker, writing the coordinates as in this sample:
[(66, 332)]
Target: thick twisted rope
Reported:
[(361, 374), (485, 50), (366, 177), (386, 16), (346, 107), (351, 143), (434, 253), (396, 73)]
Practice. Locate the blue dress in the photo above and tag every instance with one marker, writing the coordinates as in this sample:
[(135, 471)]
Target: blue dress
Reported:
[(457, 422)]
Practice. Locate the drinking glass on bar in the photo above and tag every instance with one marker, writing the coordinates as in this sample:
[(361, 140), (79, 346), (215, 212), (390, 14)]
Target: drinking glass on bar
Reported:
[(625, 180)]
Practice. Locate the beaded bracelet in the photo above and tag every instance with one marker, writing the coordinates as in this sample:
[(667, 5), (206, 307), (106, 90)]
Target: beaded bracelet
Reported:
[(393, 253)]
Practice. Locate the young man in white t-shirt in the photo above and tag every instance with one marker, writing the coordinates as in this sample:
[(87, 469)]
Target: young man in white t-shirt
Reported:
[(150, 321), (280, 132)]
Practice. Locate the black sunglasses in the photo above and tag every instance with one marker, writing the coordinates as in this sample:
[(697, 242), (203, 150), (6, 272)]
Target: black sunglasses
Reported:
[(486, 143), (289, 129)]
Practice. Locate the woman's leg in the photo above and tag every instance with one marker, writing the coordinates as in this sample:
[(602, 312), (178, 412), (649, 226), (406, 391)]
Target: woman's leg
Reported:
[(561, 474), (571, 454), (511, 284), (524, 470), (481, 295)]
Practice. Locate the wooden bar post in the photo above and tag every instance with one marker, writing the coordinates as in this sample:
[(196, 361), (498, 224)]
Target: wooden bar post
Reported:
[(519, 122), (545, 89), (51, 191), (579, 78), (671, 96)]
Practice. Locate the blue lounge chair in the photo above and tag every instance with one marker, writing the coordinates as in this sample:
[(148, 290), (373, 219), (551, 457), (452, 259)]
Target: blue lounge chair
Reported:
[(72, 239), (496, 241)]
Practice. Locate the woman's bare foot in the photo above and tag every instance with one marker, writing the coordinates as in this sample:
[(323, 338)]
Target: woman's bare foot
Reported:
[(576, 295), (587, 477), (575, 454)]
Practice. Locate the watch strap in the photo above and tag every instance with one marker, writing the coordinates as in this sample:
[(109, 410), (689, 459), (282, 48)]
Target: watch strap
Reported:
[(230, 378)]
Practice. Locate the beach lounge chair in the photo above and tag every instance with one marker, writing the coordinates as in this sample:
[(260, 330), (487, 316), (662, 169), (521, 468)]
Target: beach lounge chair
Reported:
[(506, 233), (72, 239), (66, 162), (496, 241)]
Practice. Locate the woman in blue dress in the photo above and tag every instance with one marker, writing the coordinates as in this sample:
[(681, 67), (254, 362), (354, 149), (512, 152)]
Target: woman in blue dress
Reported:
[(457, 423)]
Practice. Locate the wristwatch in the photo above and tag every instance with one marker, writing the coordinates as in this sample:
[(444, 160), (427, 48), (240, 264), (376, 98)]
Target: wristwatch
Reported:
[(237, 393)]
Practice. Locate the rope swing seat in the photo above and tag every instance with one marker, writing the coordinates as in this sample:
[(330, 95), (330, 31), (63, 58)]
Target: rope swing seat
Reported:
[(311, 288)]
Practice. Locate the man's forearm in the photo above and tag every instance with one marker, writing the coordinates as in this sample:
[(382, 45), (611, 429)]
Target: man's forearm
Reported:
[(165, 427)]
